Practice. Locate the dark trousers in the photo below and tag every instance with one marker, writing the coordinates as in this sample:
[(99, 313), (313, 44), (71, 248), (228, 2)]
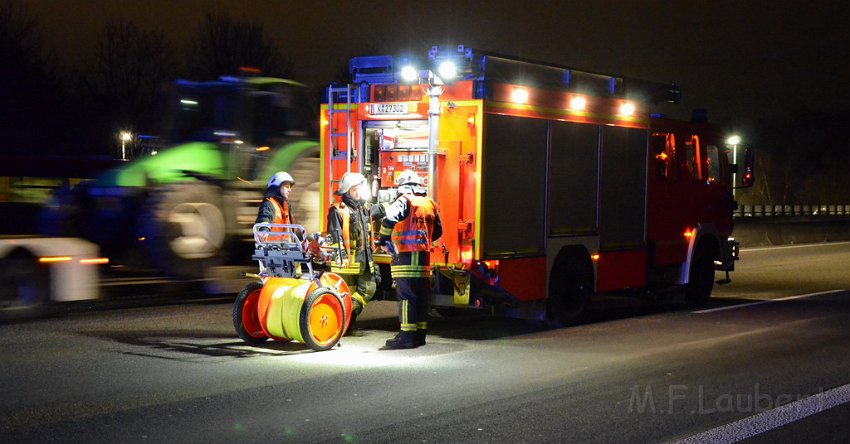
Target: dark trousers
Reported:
[(412, 303)]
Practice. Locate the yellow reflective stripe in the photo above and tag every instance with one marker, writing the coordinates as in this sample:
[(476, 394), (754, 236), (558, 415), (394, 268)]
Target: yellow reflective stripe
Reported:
[(411, 275), (422, 325), (408, 327), (345, 270), (410, 267), (359, 298), (403, 311), (386, 231)]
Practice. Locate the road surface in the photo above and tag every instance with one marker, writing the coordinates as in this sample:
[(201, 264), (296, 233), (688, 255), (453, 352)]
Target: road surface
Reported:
[(767, 361)]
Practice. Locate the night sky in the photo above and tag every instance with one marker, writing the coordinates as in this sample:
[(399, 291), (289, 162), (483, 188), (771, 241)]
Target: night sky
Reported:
[(741, 60)]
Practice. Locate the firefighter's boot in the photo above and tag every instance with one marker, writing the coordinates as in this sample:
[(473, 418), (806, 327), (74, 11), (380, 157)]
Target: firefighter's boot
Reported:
[(421, 331), (403, 340)]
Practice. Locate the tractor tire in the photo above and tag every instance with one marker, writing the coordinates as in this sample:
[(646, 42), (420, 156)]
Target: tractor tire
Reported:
[(183, 229), (569, 289), (24, 287), (322, 319), (246, 320), (701, 276)]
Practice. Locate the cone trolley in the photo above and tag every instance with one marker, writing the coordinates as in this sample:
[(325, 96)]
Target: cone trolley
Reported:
[(292, 302)]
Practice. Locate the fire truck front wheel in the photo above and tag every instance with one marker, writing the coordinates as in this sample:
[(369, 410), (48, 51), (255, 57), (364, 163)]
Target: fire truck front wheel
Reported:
[(701, 276), (570, 287), (24, 286)]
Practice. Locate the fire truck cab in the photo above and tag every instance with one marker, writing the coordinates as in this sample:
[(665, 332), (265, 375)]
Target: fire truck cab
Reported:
[(552, 183)]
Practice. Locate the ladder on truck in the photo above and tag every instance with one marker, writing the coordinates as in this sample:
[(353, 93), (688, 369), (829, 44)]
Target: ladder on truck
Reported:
[(339, 95), (364, 71)]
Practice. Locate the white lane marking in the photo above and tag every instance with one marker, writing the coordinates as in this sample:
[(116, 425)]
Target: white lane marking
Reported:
[(786, 247), (773, 418), (768, 301)]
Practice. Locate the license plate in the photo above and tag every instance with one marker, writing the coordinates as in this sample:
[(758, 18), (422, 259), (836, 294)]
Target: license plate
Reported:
[(387, 108)]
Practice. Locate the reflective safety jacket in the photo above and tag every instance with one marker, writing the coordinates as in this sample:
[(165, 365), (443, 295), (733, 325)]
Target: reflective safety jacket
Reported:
[(412, 222), (282, 215), (350, 225), (415, 231)]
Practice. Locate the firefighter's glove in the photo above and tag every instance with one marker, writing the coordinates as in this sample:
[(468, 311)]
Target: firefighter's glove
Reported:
[(376, 276)]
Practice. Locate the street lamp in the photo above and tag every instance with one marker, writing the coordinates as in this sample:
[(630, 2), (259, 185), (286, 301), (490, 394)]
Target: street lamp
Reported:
[(125, 137), (734, 141)]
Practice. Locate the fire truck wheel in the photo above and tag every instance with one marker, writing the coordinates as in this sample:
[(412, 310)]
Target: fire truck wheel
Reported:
[(183, 229), (569, 289), (701, 277), (246, 320), (24, 286), (322, 319)]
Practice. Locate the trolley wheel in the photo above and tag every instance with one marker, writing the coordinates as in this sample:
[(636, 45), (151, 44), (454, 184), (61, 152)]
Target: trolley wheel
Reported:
[(322, 319), (246, 320)]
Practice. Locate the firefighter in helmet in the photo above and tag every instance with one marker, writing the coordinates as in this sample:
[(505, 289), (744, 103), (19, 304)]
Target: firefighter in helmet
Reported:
[(348, 227), (412, 222), (275, 207)]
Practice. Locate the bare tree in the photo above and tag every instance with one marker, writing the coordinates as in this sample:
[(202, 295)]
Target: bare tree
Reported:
[(223, 46), (30, 92), (128, 70)]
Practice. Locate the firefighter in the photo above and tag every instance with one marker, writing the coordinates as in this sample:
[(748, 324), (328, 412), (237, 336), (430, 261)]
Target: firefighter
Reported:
[(412, 222), (348, 224), (275, 207)]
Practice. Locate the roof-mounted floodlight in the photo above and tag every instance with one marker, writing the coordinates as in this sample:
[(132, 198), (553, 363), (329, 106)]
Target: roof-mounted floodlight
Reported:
[(447, 70), (409, 73)]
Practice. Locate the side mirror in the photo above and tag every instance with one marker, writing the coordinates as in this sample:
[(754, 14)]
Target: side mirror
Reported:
[(741, 164)]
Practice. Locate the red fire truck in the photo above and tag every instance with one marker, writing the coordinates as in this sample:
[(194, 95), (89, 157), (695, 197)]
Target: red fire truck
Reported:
[(553, 183)]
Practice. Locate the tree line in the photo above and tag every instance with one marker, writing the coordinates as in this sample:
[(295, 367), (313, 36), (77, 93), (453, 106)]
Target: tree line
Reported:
[(78, 108), (801, 158)]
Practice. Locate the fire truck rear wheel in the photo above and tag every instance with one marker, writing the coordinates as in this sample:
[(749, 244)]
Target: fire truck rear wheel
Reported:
[(24, 286), (569, 289), (246, 319), (701, 277)]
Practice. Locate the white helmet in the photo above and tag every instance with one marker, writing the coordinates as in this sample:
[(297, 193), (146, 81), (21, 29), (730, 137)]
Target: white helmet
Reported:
[(280, 178), (408, 177), (348, 181)]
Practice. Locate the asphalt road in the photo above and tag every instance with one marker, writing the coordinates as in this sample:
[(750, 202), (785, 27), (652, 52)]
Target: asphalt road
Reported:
[(767, 361)]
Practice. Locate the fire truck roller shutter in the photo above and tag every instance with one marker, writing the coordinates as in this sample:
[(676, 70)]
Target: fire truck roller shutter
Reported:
[(570, 285), (622, 200), (513, 186), (573, 177)]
